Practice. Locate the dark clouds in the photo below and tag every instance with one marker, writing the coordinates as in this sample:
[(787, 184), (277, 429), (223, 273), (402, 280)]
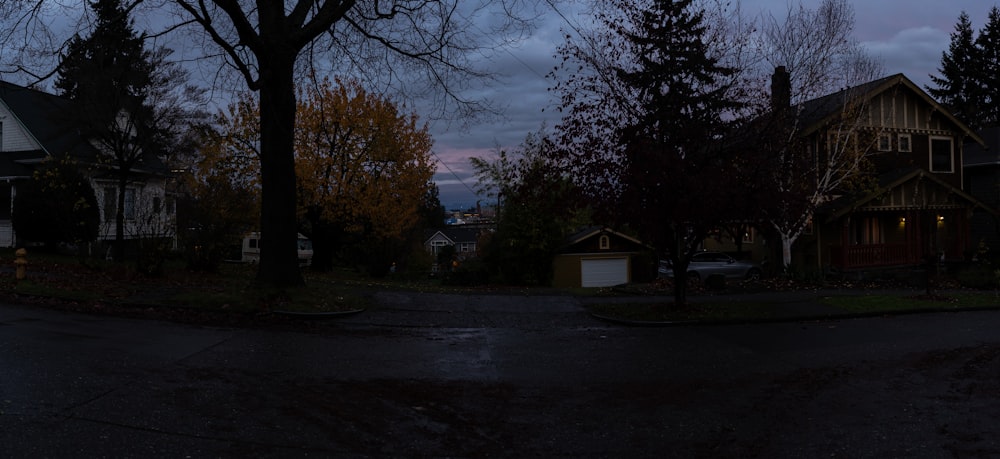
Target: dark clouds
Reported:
[(908, 35)]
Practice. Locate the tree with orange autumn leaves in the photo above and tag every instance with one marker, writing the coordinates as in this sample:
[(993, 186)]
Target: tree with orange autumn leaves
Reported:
[(362, 168)]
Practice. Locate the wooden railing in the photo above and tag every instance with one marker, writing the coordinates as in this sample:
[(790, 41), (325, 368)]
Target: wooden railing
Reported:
[(873, 255)]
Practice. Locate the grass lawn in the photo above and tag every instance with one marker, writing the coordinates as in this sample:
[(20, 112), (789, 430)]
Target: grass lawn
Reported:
[(98, 284), (231, 289), (723, 310)]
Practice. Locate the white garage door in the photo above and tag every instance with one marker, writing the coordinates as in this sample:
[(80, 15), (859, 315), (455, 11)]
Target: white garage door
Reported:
[(604, 272)]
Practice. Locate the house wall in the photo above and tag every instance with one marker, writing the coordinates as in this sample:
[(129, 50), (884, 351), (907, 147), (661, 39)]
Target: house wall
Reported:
[(152, 214), (984, 184), (13, 136), (566, 271), (899, 113), (568, 268)]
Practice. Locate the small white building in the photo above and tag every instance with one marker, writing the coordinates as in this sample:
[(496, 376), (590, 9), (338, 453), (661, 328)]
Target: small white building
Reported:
[(251, 249)]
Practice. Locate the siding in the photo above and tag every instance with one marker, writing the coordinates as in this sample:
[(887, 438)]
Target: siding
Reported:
[(14, 136)]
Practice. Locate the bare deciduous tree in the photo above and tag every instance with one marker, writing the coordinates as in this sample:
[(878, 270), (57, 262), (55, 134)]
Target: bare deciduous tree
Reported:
[(392, 42), (821, 58)]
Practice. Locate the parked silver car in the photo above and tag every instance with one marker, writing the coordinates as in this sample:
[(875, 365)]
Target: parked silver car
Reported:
[(704, 264)]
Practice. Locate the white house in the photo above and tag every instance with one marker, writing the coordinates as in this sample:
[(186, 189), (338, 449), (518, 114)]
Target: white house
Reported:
[(35, 125)]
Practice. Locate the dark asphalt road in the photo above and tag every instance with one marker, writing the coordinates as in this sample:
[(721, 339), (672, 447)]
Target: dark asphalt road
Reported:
[(509, 376)]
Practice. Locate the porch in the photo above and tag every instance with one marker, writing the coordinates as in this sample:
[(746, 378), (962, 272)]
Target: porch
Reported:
[(873, 256), (890, 239)]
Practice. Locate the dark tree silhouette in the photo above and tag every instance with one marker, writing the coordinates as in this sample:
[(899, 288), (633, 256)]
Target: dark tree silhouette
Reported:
[(644, 126), (958, 87), (56, 206), (108, 77)]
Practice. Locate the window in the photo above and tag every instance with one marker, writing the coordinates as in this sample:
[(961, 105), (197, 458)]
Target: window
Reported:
[(5, 200), (437, 245), (942, 154), (130, 204), (868, 230), (904, 143), (748, 236), (111, 203), (605, 242), (884, 142)]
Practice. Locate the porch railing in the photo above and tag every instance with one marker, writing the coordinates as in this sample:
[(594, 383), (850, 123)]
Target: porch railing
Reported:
[(873, 255)]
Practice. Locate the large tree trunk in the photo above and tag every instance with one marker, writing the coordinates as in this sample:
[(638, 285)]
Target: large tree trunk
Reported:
[(118, 249), (279, 266), (786, 249)]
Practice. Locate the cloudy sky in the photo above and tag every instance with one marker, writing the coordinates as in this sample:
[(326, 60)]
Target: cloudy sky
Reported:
[(908, 35)]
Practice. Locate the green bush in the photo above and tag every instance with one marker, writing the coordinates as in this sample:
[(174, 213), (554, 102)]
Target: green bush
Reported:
[(56, 206)]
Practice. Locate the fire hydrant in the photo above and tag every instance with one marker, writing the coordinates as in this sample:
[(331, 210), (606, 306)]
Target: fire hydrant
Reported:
[(20, 263)]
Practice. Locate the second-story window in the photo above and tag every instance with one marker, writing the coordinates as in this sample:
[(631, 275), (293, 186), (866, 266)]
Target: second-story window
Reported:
[(904, 143), (884, 142), (942, 154), (605, 242)]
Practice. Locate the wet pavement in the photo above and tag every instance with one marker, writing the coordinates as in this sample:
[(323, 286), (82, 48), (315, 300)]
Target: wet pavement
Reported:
[(432, 375)]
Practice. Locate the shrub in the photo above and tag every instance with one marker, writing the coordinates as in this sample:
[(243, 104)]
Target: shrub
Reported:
[(469, 273), (56, 206), (978, 276)]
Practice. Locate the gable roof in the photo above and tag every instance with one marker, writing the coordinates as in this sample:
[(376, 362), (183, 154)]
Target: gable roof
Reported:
[(819, 112), (846, 204), (591, 231), (977, 155), (49, 120), (456, 235), (46, 118)]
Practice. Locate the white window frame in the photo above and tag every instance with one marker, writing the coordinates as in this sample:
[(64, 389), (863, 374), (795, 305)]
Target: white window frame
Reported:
[(884, 142), (908, 143), (951, 154), (437, 244), (604, 242)]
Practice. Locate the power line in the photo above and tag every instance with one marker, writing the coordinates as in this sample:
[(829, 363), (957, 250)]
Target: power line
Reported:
[(453, 173)]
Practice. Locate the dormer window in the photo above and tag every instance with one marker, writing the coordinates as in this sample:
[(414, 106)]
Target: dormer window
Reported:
[(604, 242)]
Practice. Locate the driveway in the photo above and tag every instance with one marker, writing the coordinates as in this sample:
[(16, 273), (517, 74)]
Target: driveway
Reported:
[(498, 375)]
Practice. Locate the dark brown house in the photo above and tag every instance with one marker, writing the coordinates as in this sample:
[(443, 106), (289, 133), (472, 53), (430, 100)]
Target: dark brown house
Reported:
[(982, 180), (918, 207)]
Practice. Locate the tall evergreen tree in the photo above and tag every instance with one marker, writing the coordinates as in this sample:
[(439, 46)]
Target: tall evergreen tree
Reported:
[(988, 68), (959, 87), (109, 75), (644, 122)]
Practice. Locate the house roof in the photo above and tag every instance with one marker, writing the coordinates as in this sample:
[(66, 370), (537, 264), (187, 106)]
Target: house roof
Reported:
[(591, 231), (846, 204), (48, 119), (454, 234), (977, 155), (819, 112)]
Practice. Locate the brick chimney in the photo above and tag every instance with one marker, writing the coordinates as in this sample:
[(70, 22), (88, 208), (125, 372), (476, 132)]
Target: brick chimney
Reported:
[(781, 88)]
